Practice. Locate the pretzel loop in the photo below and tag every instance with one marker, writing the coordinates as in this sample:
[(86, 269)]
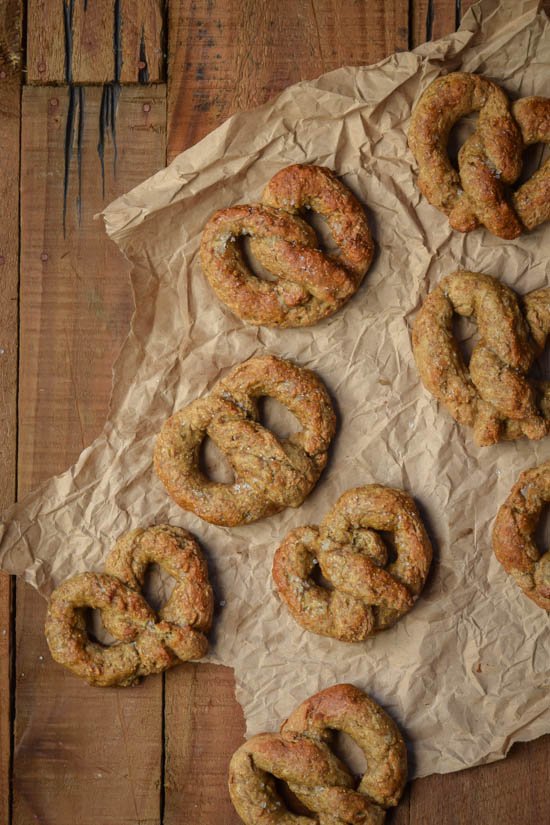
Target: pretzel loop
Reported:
[(494, 395), (513, 535), (301, 756), (147, 643), (270, 473), (307, 285), (367, 594), (489, 158)]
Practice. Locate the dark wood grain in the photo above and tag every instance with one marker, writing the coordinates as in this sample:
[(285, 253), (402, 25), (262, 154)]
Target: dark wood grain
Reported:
[(512, 792), (10, 98), (204, 726), (230, 55), (81, 754), (95, 41)]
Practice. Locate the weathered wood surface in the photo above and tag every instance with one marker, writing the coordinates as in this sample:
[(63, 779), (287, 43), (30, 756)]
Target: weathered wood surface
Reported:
[(157, 754), (95, 41), (81, 754), (10, 94), (227, 55)]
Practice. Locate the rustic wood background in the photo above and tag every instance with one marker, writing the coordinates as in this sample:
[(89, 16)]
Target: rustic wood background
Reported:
[(96, 95)]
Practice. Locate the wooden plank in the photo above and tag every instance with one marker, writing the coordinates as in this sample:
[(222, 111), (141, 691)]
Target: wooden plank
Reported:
[(10, 105), (95, 41), (432, 19), (142, 41), (204, 726), (45, 41), (92, 45), (513, 792), (229, 55), (81, 754)]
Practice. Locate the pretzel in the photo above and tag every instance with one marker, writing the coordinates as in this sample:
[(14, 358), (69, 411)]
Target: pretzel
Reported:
[(270, 473), (308, 284), (494, 394), (147, 643), (301, 756), (368, 594), (513, 534), (489, 159)]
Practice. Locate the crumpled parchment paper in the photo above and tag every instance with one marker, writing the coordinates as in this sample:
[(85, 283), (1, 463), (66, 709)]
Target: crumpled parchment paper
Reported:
[(466, 673)]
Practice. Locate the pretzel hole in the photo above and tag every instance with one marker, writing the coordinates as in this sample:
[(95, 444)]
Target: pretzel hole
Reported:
[(317, 576), (325, 238), (389, 540), (542, 531), (349, 753), (461, 131), (251, 262), (277, 418), (157, 586), (213, 464), (466, 335), (95, 628), (534, 157), (290, 799)]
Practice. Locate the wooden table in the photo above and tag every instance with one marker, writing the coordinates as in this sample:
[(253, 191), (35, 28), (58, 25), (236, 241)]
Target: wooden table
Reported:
[(105, 93)]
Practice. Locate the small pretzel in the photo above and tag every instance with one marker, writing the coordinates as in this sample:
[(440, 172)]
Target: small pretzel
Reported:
[(301, 756), (270, 473), (489, 158), (368, 594), (513, 534), (493, 394), (308, 285), (147, 643)]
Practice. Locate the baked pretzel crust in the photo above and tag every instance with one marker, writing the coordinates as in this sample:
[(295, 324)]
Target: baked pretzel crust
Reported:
[(308, 285), (368, 594), (147, 643), (490, 158), (270, 473), (513, 534), (301, 756), (494, 394)]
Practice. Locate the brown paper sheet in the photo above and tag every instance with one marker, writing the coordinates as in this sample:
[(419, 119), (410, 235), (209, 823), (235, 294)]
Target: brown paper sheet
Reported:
[(466, 673)]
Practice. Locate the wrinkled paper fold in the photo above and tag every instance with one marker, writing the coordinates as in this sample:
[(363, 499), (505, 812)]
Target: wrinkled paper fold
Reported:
[(466, 673)]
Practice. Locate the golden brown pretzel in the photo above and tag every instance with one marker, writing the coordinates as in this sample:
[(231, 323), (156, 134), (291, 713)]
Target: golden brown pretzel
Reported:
[(494, 394), (270, 474), (308, 285), (490, 158), (513, 534), (368, 594), (147, 643), (301, 756)]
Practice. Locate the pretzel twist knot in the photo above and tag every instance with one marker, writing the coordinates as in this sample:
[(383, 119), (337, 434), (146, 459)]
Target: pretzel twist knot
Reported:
[(270, 473), (301, 756), (488, 160), (147, 643), (368, 594), (494, 394), (513, 535), (307, 284)]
